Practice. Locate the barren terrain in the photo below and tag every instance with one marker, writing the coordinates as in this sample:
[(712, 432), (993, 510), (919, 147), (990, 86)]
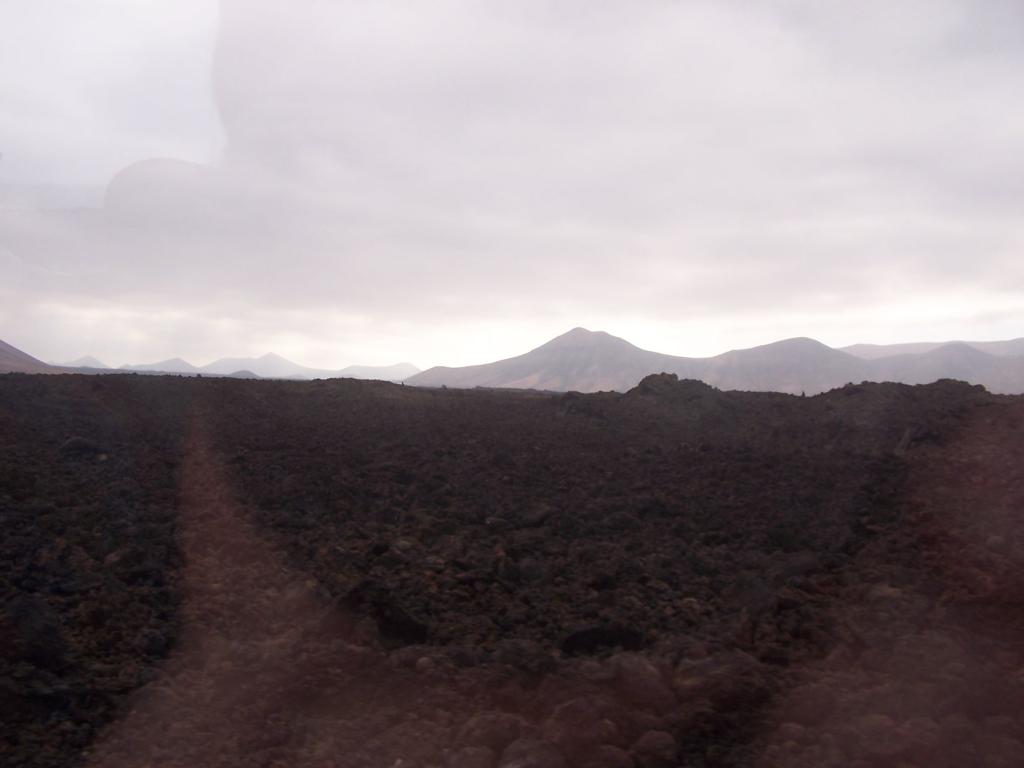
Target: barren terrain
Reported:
[(228, 573)]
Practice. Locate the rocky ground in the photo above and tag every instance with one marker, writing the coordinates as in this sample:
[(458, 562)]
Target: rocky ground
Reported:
[(88, 555), (345, 573)]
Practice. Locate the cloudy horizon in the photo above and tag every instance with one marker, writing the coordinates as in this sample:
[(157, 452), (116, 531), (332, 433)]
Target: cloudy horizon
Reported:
[(363, 183)]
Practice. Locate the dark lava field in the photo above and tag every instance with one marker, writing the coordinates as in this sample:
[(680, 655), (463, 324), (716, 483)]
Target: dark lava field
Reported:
[(215, 572)]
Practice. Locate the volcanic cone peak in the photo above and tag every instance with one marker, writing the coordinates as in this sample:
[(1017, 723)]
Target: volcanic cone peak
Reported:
[(581, 337)]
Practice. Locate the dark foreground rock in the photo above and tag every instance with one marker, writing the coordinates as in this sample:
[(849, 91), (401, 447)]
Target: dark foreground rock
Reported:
[(88, 557), (359, 574)]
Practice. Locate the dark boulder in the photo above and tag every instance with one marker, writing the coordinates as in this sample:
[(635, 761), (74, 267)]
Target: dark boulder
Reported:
[(397, 626), (30, 631), (81, 448), (494, 730), (600, 637)]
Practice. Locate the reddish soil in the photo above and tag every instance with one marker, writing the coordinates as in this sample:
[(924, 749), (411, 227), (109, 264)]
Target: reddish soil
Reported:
[(360, 574)]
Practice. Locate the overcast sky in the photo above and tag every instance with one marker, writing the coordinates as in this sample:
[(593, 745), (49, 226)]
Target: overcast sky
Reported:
[(454, 181)]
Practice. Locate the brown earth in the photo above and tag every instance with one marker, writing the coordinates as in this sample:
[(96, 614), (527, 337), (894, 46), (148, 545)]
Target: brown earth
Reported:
[(344, 573)]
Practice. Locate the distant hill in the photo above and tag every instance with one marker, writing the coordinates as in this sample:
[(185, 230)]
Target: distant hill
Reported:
[(13, 360), (957, 360), (589, 361), (794, 366), (174, 365), (1009, 348), (271, 366), (397, 372), (579, 360), (85, 362)]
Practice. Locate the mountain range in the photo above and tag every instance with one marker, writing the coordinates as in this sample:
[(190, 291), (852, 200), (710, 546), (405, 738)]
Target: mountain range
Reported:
[(271, 366), (1013, 347), (589, 361)]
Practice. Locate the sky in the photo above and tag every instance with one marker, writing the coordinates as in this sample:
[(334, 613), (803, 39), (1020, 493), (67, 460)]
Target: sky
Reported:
[(355, 182)]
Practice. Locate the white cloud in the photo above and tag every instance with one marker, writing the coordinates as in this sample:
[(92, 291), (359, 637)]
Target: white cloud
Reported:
[(89, 86), (453, 181)]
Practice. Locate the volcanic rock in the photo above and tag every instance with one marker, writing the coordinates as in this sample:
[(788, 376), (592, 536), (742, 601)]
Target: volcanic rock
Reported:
[(655, 749), (531, 753)]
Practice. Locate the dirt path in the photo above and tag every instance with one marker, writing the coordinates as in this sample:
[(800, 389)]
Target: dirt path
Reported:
[(263, 676), (936, 676)]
